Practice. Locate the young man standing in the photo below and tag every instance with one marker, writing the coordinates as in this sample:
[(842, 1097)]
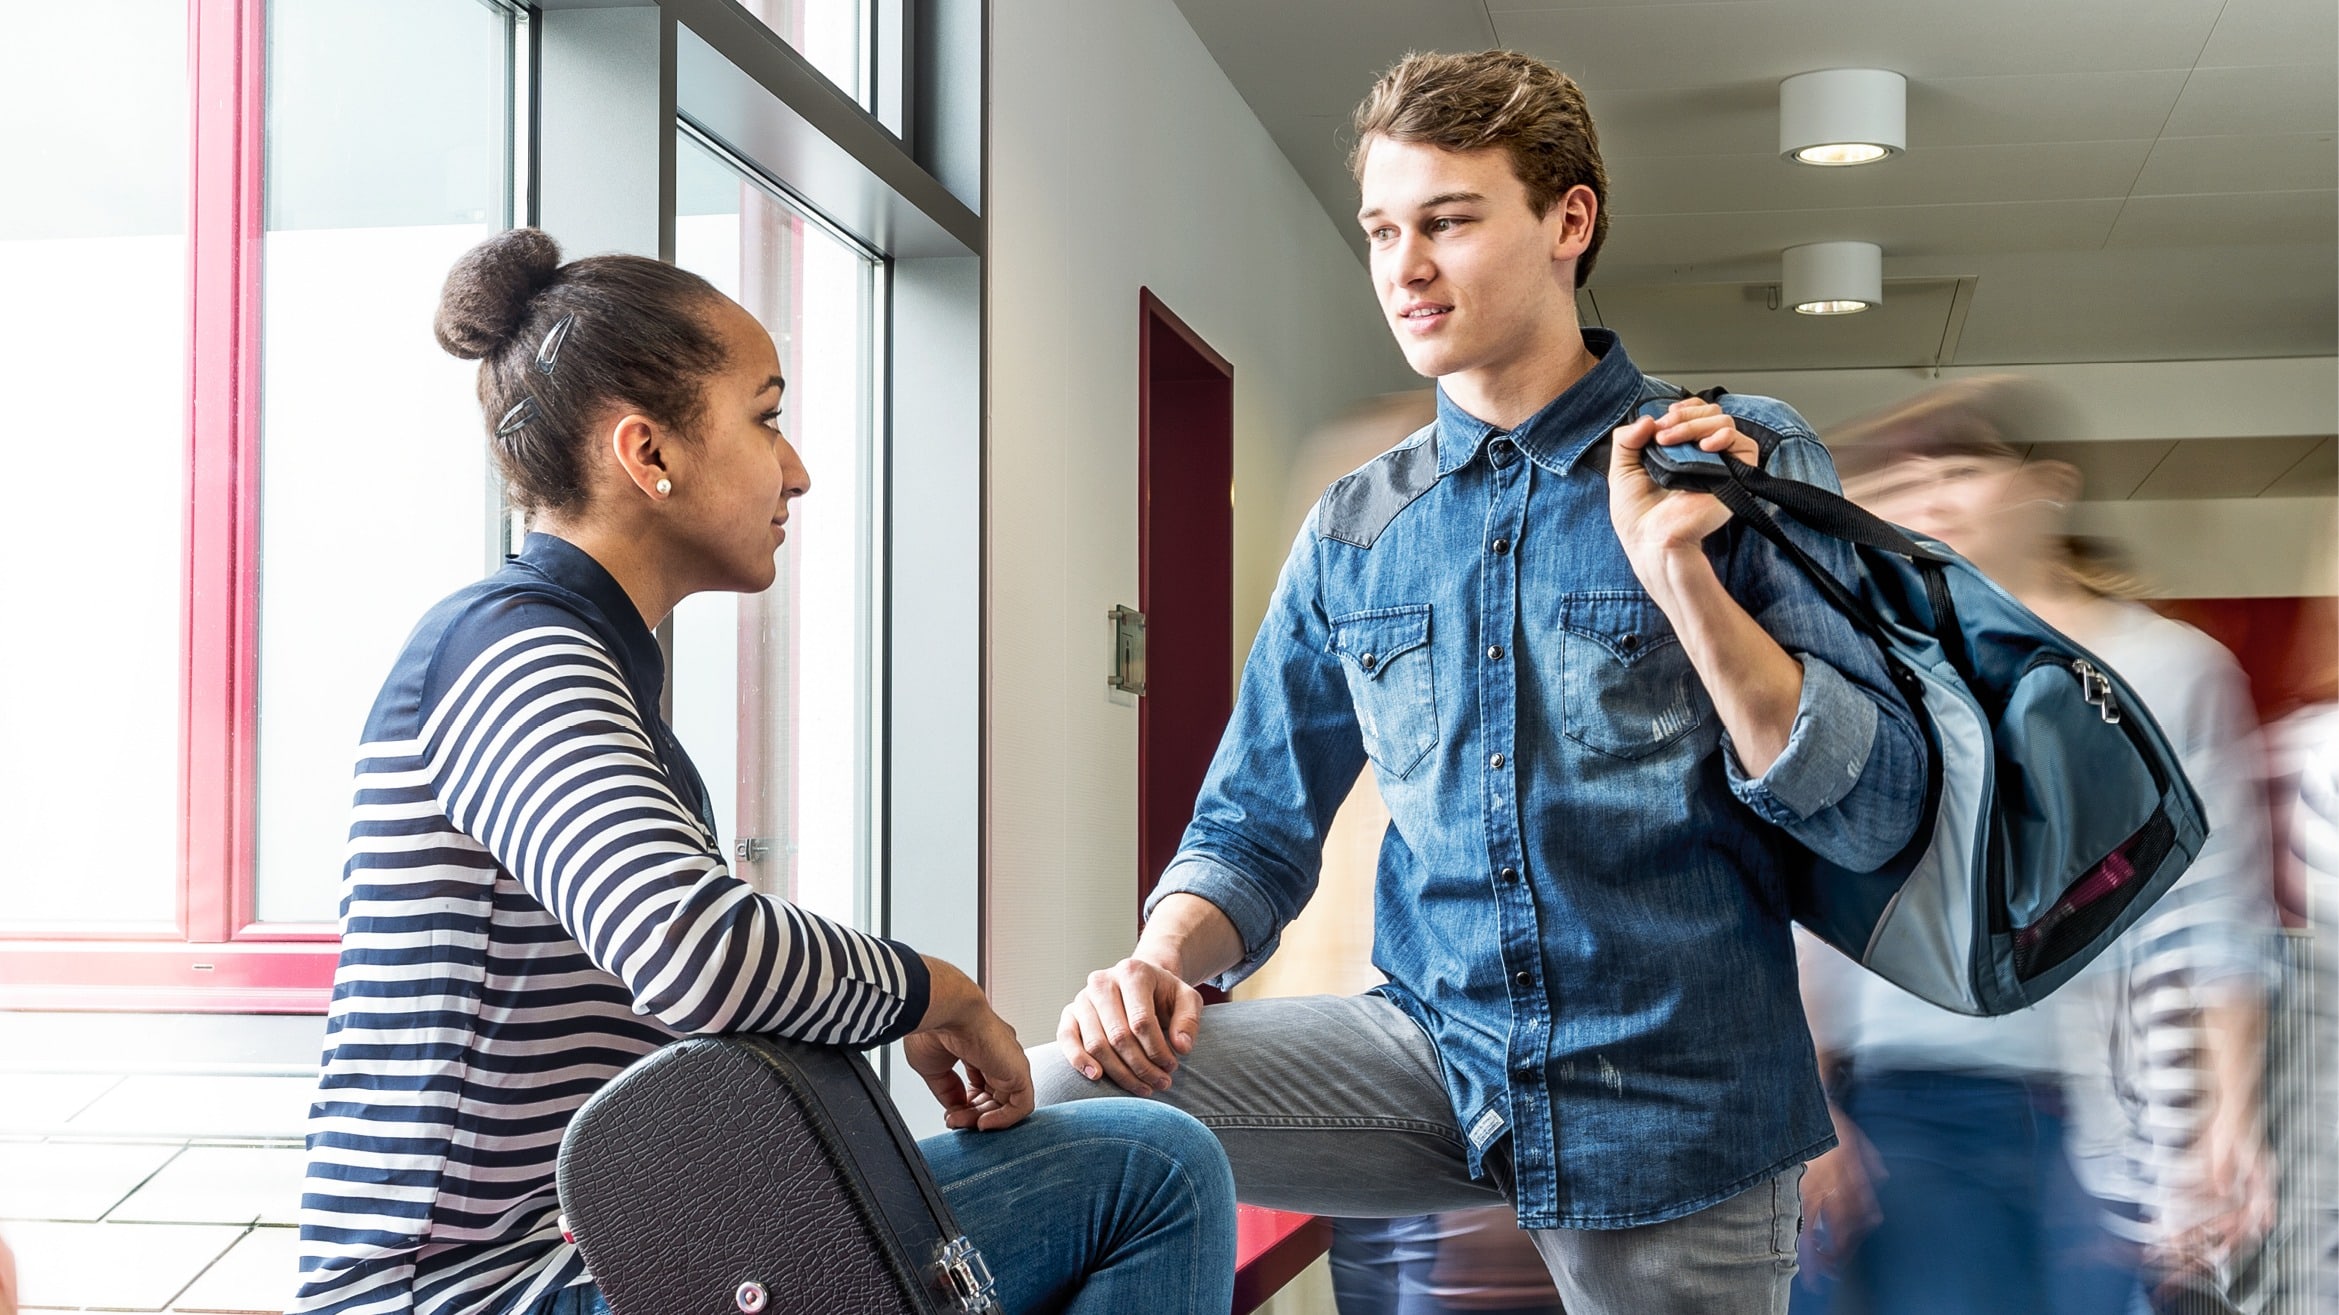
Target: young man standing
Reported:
[(1605, 724)]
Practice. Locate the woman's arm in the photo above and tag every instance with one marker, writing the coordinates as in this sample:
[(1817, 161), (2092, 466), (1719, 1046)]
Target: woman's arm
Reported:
[(536, 750)]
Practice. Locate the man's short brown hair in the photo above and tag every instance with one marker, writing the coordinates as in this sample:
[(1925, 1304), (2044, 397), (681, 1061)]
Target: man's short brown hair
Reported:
[(1494, 99)]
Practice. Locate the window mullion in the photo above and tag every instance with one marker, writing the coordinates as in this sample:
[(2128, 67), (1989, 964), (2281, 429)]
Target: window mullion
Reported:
[(220, 633)]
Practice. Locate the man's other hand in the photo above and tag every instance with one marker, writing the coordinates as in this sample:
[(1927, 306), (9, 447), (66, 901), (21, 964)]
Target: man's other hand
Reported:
[(1130, 1025)]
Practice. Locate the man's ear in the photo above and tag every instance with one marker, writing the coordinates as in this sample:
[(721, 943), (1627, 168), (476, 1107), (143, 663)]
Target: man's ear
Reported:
[(1570, 221), (641, 447)]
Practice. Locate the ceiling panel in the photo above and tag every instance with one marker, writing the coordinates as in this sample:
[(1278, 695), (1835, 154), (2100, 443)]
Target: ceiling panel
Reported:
[(1689, 329), (2230, 247), (2108, 471), (2055, 171), (1735, 118), (1922, 230), (1500, 7), (2286, 98), (2134, 304), (2041, 107), (2228, 219), (2264, 163), (1741, 117), (2273, 32), (1321, 56), (2223, 467), (1648, 47), (2315, 476)]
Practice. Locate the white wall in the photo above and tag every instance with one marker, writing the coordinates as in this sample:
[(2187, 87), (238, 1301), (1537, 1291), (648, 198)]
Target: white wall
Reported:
[(1120, 156)]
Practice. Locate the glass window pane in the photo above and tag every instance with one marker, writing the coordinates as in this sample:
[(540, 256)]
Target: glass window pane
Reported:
[(832, 36), (772, 692), (388, 127), (93, 349)]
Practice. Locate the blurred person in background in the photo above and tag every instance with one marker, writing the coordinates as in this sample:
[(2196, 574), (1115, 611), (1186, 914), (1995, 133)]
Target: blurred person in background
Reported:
[(2314, 849), (2149, 1066), (2303, 1086)]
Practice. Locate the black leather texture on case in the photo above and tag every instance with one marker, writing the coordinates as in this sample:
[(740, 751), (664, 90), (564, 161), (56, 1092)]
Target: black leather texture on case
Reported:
[(720, 1161)]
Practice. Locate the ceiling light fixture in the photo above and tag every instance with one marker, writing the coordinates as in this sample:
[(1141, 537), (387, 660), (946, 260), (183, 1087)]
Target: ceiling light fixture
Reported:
[(1843, 116), (1832, 278)]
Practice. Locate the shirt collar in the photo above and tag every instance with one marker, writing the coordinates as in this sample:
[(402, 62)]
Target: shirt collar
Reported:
[(573, 569), (1557, 436)]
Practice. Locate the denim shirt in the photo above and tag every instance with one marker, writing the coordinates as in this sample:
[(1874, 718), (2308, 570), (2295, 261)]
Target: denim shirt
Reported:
[(1581, 895)]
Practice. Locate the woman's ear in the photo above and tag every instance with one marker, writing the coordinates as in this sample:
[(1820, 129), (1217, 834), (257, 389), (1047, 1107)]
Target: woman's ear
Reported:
[(642, 448), (2056, 481)]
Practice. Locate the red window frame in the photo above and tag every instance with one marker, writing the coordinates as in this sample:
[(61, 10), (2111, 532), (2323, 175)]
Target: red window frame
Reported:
[(215, 955)]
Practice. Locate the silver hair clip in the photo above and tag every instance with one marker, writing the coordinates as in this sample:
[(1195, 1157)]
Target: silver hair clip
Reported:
[(518, 417), (548, 355)]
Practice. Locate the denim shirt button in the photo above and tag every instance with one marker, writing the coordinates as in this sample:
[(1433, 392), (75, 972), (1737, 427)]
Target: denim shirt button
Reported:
[(1628, 642), (1510, 874), (1500, 546), (1368, 662), (1494, 652), (1523, 978), (1495, 761)]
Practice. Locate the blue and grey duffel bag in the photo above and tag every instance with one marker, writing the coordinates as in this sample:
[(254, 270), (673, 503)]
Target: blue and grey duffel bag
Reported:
[(2057, 812)]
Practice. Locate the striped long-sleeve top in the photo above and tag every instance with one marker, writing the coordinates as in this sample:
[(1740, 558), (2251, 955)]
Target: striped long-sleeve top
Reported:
[(534, 898)]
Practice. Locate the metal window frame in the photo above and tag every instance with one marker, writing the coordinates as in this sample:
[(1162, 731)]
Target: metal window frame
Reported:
[(216, 955), (902, 180)]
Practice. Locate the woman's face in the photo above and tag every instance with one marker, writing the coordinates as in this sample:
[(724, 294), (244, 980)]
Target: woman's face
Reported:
[(1995, 511), (734, 484)]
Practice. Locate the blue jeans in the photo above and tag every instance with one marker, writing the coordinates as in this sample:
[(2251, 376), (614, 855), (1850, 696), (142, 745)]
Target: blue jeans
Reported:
[(1394, 1267), (1102, 1208), (1375, 1261), (1981, 1214)]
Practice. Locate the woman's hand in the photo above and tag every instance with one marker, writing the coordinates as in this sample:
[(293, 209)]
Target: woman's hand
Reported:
[(1654, 523), (968, 1055)]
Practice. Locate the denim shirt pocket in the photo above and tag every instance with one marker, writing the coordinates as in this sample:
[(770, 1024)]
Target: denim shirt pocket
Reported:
[(1385, 653), (1628, 688)]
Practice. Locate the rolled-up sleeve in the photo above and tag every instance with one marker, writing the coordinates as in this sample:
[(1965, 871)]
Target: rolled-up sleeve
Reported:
[(1851, 784), (1827, 751), (1291, 753)]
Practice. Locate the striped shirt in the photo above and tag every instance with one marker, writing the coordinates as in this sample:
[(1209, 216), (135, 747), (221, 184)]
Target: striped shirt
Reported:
[(534, 898), (2135, 1021)]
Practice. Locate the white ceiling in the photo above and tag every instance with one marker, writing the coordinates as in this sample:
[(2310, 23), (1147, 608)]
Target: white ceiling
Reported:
[(2086, 180)]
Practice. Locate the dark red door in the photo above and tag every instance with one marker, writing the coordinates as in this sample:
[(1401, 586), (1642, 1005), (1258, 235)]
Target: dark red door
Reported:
[(1185, 573)]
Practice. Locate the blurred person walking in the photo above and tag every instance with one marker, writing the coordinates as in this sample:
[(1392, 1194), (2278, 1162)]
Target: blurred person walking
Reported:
[(1461, 1262), (2149, 1066), (2311, 1275)]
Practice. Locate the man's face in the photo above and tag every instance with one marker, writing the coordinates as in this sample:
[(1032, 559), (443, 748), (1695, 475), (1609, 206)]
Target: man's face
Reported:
[(1468, 276)]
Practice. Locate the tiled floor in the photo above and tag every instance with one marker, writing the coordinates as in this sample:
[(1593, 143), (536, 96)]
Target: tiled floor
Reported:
[(174, 1190)]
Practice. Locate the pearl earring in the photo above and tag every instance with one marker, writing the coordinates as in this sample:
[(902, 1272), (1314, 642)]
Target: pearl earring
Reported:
[(664, 486)]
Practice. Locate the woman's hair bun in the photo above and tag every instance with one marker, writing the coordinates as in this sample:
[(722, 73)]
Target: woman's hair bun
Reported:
[(487, 292)]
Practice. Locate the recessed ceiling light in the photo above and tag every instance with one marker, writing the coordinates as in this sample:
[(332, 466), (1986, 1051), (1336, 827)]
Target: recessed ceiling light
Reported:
[(1841, 153), (1832, 278), (1843, 116)]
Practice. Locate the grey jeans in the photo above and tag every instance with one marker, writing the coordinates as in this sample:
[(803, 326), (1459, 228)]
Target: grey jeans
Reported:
[(1336, 1105)]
